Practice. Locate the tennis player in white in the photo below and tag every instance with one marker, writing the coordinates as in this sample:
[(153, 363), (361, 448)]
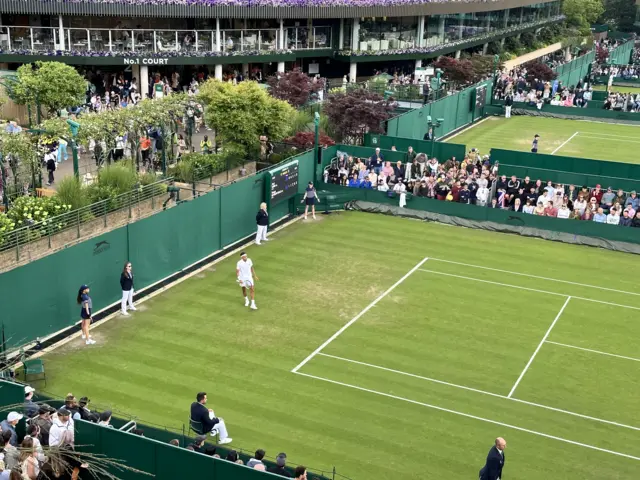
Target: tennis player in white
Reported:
[(245, 274)]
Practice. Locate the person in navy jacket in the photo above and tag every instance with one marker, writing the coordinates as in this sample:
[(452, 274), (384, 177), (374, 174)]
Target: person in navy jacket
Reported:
[(126, 282), (492, 469), (262, 220)]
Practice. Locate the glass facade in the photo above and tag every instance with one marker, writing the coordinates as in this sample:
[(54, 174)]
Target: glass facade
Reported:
[(372, 34)]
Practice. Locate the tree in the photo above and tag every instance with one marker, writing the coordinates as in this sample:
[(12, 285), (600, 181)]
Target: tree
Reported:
[(306, 140), (241, 113), (295, 87), (582, 13), (619, 14), (52, 84), (602, 54), (356, 112), (540, 71), (455, 71), (483, 66)]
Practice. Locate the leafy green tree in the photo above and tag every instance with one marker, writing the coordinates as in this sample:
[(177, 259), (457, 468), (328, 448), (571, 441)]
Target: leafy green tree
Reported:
[(241, 113), (54, 85), (619, 14), (582, 13)]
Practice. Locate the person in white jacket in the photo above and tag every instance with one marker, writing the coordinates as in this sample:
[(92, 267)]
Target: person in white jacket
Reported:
[(401, 190)]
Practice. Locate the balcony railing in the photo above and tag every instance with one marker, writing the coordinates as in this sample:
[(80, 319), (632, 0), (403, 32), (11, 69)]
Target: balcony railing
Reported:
[(48, 39)]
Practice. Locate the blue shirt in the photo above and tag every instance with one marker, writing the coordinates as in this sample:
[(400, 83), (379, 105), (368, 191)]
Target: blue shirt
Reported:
[(366, 184), (354, 183), (600, 218), (86, 299), (7, 427)]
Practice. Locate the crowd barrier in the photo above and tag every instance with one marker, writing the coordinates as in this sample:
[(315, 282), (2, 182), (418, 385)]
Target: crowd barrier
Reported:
[(158, 246), (621, 55), (441, 150), (456, 110)]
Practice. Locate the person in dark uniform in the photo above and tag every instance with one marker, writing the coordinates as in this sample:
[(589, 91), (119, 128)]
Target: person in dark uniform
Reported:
[(492, 469), (84, 300), (508, 103), (534, 144), (262, 220), (310, 199)]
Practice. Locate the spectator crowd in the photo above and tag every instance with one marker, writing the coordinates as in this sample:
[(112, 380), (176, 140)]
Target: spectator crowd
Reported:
[(474, 180)]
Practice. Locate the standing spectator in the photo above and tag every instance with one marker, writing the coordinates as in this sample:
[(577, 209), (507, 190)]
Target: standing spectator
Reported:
[(145, 148), (257, 459), (300, 473), (30, 407), (279, 469), (84, 300), (206, 146), (43, 421), (492, 469), (310, 198), (464, 196), (9, 425), (376, 160), (508, 103), (61, 429), (51, 167), (11, 454), (411, 155), (126, 282), (206, 417), (262, 221), (29, 463)]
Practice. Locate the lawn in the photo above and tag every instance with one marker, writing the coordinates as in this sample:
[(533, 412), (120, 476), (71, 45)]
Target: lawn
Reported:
[(448, 345), (573, 138), (616, 88)]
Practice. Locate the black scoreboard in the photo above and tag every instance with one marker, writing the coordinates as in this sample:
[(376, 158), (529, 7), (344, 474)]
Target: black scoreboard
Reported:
[(283, 182)]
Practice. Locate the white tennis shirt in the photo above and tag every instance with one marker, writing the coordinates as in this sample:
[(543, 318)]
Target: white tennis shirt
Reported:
[(244, 269)]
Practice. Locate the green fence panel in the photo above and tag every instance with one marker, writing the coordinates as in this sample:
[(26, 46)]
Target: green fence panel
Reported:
[(306, 170), (599, 96), (163, 244), (240, 202), (621, 55), (40, 298), (10, 394), (629, 117), (441, 149)]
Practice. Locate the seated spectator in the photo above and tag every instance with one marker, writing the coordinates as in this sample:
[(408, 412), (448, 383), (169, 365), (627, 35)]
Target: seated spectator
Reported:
[(398, 171), (210, 450), (550, 210), (587, 215), (373, 178), (29, 464), (592, 206), (9, 425), (580, 204), (232, 456), (576, 215), (205, 416), (105, 418), (597, 193), (261, 467), (279, 469), (600, 217), (620, 197), (528, 208), (517, 205), (564, 211), (175, 442), (198, 443), (366, 183), (382, 184), (71, 404), (33, 432), (300, 473), (607, 199), (257, 459), (539, 210), (625, 219), (30, 407), (354, 182), (387, 169), (61, 432), (636, 221), (633, 200), (464, 195), (613, 218)]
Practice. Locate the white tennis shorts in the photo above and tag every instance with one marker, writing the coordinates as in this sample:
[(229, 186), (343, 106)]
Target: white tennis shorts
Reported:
[(247, 282)]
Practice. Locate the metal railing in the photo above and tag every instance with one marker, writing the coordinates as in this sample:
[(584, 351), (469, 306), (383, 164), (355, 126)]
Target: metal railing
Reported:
[(45, 39), (38, 239)]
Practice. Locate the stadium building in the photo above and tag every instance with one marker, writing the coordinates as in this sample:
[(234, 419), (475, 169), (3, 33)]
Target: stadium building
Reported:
[(330, 37)]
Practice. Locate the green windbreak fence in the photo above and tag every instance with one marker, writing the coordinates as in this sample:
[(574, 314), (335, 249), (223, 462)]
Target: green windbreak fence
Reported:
[(483, 214), (556, 111), (39, 298), (571, 170), (441, 150), (571, 73), (621, 55), (457, 110)]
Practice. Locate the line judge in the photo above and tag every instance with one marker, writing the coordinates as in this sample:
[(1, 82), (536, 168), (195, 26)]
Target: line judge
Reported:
[(262, 220), (492, 469)]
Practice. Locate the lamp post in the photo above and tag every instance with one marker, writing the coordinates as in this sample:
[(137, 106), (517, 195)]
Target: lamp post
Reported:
[(316, 121), (74, 126), (431, 125)]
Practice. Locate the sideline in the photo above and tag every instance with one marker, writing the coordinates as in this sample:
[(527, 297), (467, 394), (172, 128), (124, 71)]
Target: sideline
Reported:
[(467, 128)]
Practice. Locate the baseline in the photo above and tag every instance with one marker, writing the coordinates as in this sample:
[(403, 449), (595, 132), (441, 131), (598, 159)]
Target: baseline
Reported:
[(474, 417), (355, 319), (484, 392), (564, 143), (594, 351)]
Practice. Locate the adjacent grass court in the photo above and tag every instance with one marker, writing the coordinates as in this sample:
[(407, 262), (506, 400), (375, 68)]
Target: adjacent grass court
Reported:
[(619, 89), (390, 348), (573, 138)]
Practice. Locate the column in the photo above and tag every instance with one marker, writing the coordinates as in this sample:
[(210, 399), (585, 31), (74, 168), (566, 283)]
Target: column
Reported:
[(353, 72), (485, 47), (567, 54), (143, 81), (283, 41), (521, 15), (418, 64), (506, 18), (61, 32), (502, 42), (458, 52), (280, 67), (135, 73), (218, 68), (441, 29), (245, 70), (420, 42), (341, 35), (461, 26), (355, 34)]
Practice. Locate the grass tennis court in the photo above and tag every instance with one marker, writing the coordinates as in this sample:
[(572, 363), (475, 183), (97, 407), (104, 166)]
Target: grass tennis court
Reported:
[(574, 138), (435, 340), (620, 89)]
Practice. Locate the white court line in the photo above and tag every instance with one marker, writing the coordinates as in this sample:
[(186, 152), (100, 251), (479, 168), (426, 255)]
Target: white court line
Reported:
[(528, 289), (564, 143), (474, 417), (355, 319), (534, 276), (613, 139), (546, 335), (595, 351), (504, 397), (610, 135)]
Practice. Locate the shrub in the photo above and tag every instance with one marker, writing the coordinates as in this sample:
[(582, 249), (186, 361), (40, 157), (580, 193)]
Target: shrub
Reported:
[(120, 177), (72, 192), (31, 210), (6, 226), (149, 185)]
